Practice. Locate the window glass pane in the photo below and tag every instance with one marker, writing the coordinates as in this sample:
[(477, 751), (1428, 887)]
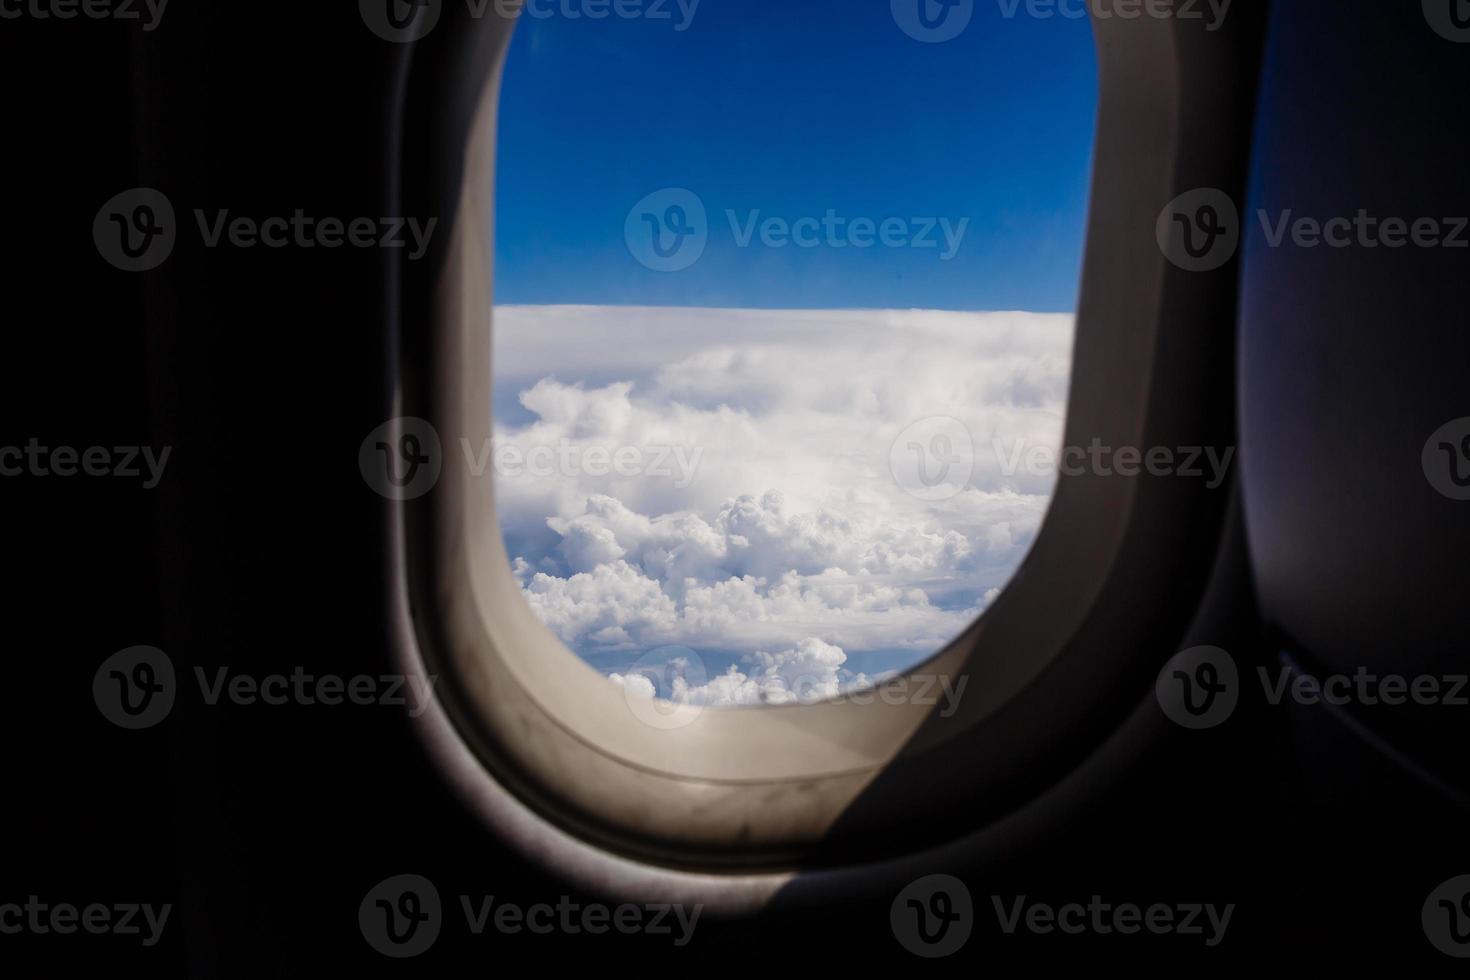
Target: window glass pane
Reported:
[(767, 421)]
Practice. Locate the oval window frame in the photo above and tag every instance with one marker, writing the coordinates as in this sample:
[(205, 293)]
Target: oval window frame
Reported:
[(736, 802)]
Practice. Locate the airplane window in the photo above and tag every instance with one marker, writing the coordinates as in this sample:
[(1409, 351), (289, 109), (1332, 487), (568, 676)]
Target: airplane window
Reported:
[(783, 328)]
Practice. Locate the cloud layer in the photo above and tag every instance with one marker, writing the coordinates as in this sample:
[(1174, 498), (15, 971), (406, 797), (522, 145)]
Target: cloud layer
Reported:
[(762, 511)]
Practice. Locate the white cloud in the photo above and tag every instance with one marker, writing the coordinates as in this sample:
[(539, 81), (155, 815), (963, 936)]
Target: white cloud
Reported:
[(810, 671), (793, 534)]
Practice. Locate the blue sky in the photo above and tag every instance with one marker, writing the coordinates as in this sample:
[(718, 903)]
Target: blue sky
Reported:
[(793, 108)]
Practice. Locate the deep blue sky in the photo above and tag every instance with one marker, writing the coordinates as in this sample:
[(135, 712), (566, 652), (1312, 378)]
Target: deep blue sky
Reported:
[(793, 107)]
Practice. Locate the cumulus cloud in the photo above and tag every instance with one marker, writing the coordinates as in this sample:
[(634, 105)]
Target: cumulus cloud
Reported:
[(810, 671), (755, 507)]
